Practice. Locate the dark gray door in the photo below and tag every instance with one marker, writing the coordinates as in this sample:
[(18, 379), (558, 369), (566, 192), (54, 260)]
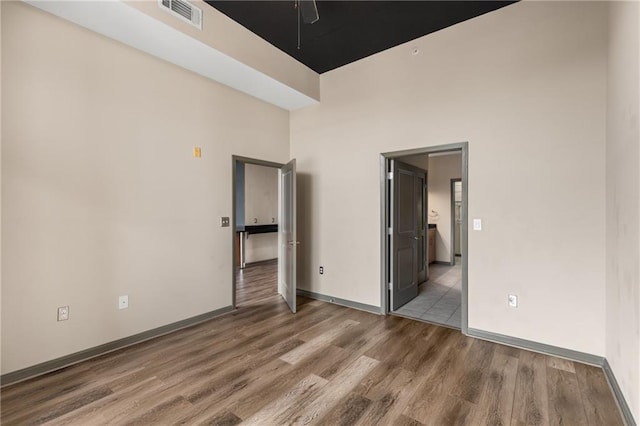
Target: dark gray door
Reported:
[(287, 235), (407, 224)]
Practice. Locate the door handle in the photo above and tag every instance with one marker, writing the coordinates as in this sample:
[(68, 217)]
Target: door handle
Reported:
[(294, 243), (415, 238)]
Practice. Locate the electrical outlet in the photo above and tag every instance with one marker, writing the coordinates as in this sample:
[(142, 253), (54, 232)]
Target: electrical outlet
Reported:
[(123, 302), (63, 313), (513, 300), (477, 224), (224, 221), (321, 270)]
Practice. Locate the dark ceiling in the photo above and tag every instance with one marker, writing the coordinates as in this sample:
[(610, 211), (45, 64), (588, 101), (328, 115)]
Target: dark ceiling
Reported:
[(349, 30)]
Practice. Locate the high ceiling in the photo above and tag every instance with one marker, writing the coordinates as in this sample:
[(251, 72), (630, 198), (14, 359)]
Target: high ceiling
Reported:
[(348, 30)]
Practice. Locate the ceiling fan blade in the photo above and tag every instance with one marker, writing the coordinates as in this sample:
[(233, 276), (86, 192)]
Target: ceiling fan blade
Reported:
[(309, 11)]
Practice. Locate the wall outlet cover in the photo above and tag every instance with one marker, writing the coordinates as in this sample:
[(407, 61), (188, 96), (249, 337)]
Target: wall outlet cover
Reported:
[(63, 313), (123, 302)]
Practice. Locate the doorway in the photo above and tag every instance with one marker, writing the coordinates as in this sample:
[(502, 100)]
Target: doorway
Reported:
[(397, 270), (271, 217)]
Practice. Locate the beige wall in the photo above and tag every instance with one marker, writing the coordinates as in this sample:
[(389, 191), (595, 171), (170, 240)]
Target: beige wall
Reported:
[(441, 170), (259, 247), (101, 195), (623, 193), (526, 87), (261, 195), (0, 185)]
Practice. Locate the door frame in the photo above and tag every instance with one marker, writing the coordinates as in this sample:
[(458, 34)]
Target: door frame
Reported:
[(235, 159), (385, 194), (453, 223)]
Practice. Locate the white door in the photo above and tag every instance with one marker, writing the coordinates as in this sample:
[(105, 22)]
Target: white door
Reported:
[(287, 238)]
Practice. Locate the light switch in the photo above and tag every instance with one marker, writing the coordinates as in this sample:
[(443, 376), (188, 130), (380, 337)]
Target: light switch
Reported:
[(477, 224), (224, 222)]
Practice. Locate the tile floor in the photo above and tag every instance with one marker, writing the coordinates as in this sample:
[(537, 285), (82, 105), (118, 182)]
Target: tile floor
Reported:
[(439, 298)]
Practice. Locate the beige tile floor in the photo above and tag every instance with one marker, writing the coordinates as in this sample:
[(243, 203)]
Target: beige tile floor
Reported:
[(439, 298)]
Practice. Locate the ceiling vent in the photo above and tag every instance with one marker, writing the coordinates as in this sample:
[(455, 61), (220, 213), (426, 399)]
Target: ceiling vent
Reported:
[(183, 10)]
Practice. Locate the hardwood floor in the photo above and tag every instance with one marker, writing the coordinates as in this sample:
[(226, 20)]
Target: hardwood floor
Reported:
[(257, 283), (326, 365)]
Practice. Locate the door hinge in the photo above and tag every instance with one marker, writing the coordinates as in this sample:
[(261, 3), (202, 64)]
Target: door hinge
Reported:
[(390, 231), (390, 175), (389, 286)]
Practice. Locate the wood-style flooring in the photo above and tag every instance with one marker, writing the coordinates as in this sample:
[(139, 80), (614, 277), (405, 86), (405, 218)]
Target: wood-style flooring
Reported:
[(326, 365)]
